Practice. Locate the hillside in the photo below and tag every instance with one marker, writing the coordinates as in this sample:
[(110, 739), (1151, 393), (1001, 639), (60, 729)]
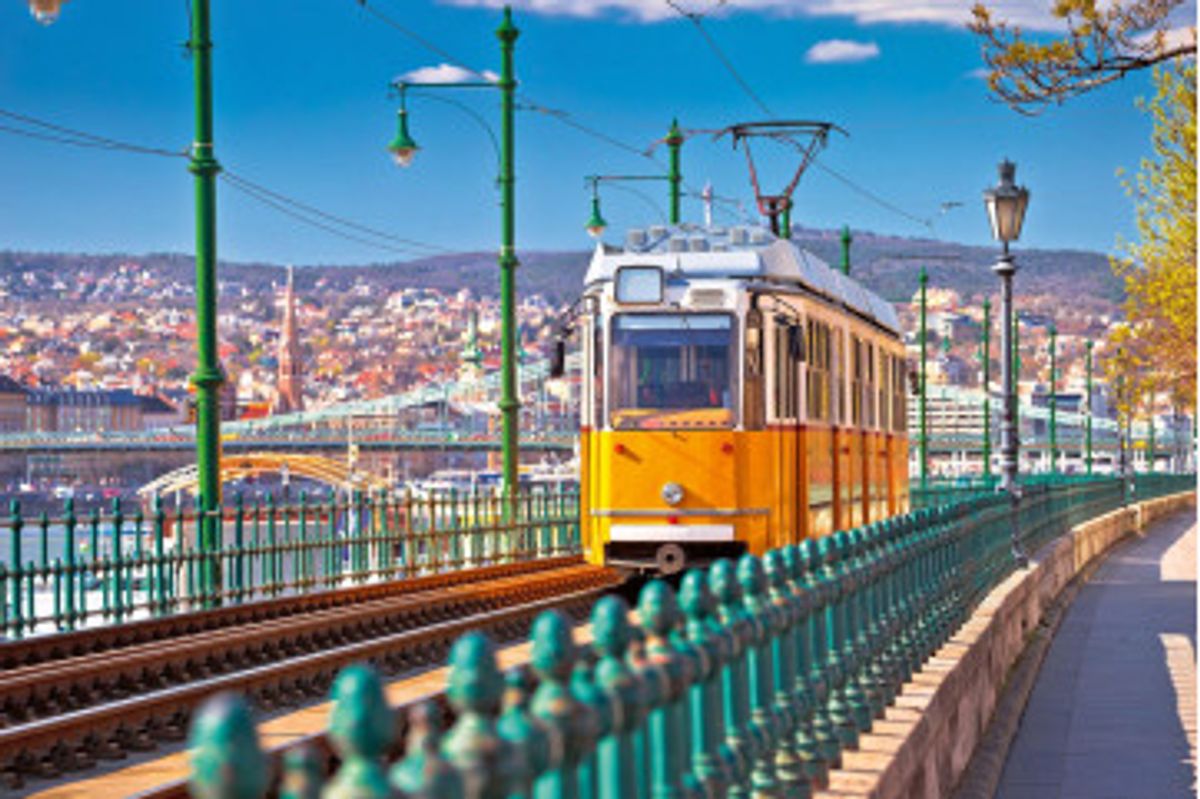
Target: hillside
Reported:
[(887, 265)]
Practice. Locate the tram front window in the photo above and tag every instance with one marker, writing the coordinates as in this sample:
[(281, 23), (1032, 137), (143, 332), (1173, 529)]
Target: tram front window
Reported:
[(672, 370)]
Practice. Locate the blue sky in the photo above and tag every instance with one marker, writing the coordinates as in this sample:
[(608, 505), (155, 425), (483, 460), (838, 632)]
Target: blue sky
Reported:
[(302, 107)]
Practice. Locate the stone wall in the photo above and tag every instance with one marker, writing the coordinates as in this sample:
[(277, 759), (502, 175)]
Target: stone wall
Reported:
[(925, 740)]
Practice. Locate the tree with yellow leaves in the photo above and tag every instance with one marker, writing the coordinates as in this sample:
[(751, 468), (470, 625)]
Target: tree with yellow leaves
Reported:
[(1159, 268), (1102, 43)]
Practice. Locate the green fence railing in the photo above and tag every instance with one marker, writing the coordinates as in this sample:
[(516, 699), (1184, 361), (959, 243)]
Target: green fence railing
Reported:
[(62, 572), (751, 681)]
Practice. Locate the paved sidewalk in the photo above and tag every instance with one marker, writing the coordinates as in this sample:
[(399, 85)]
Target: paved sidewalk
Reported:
[(1113, 712)]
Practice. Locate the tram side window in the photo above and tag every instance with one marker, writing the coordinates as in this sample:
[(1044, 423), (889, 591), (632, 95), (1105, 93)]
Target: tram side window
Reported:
[(839, 376), (754, 401), (883, 388), (856, 381), (672, 370), (899, 396), (598, 375), (818, 372), (788, 355), (869, 390)]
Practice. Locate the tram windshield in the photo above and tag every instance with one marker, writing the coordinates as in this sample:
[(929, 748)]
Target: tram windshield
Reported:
[(672, 370)]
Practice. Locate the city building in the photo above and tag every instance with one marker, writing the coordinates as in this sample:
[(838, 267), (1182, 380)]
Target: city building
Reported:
[(289, 395), (13, 401)]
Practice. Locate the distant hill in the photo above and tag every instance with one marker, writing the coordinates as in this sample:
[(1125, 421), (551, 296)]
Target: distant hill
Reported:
[(887, 265)]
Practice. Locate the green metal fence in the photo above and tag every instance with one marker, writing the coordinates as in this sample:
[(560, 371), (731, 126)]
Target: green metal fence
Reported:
[(750, 681), (70, 570)]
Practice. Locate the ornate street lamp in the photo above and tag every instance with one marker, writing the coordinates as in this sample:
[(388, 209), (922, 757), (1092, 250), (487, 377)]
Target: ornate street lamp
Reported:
[(596, 225), (1006, 203), (46, 12), (1053, 400), (674, 178), (403, 149)]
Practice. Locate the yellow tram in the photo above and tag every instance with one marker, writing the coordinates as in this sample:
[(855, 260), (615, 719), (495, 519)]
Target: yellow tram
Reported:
[(738, 394)]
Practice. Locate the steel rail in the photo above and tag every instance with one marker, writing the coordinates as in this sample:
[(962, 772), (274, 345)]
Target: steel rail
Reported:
[(46, 689), (76, 739), (104, 638)]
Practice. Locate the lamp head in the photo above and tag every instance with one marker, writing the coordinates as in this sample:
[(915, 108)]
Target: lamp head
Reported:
[(46, 12), (1006, 203), (596, 225), (403, 148)]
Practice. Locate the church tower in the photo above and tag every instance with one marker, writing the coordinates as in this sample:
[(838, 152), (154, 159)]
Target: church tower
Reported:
[(288, 395)]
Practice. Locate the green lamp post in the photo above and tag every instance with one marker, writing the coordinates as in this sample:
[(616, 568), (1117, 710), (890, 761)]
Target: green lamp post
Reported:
[(846, 240), (208, 376), (1053, 400), (1088, 433), (923, 446), (674, 139), (596, 223), (985, 353), (674, 142), (403, 148)]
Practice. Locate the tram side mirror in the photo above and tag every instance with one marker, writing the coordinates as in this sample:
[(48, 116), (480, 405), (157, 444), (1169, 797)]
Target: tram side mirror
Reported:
[(558, 358)]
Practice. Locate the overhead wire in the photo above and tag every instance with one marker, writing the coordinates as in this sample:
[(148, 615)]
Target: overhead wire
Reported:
[(55, 133), (79, 138), (697, 20), (528, 103), (235, 178), (266, 199)]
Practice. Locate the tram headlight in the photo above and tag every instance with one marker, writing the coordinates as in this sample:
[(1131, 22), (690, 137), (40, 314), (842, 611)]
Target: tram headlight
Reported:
[(672, 493)]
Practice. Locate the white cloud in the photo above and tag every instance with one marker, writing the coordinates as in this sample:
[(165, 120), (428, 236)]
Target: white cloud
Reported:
[(841, 51), (1029, 14), (979, 73), (446, 73)]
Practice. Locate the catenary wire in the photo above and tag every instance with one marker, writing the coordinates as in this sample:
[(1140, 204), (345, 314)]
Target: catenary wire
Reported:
[(65, 135), (299, 217), (697, 20), (527, 102), (293, 208), (236, 178)]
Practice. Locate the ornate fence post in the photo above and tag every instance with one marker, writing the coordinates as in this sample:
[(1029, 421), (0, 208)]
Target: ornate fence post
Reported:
[(820, 676), (226, 760), (789, 765), (877, 669), (765, 724), (722, 580), (553, 659), (424, 772), (472, 745), (361, 728), (599, 721), (302, 774), (528, 742), (616, 774), (812, 765), (853, 639), (669, 673), (838, 705), (712, 761)]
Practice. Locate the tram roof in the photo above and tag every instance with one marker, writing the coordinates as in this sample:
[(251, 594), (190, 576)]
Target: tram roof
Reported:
[(738, 253)]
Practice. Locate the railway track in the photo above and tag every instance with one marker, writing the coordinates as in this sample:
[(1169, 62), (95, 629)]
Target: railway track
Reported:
[(98, 698)]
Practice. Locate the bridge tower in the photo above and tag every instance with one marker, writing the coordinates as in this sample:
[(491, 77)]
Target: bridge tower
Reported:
[(289, 396)]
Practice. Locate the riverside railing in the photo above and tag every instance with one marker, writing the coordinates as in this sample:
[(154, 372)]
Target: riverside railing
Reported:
[(752, 680), (62, 572)]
